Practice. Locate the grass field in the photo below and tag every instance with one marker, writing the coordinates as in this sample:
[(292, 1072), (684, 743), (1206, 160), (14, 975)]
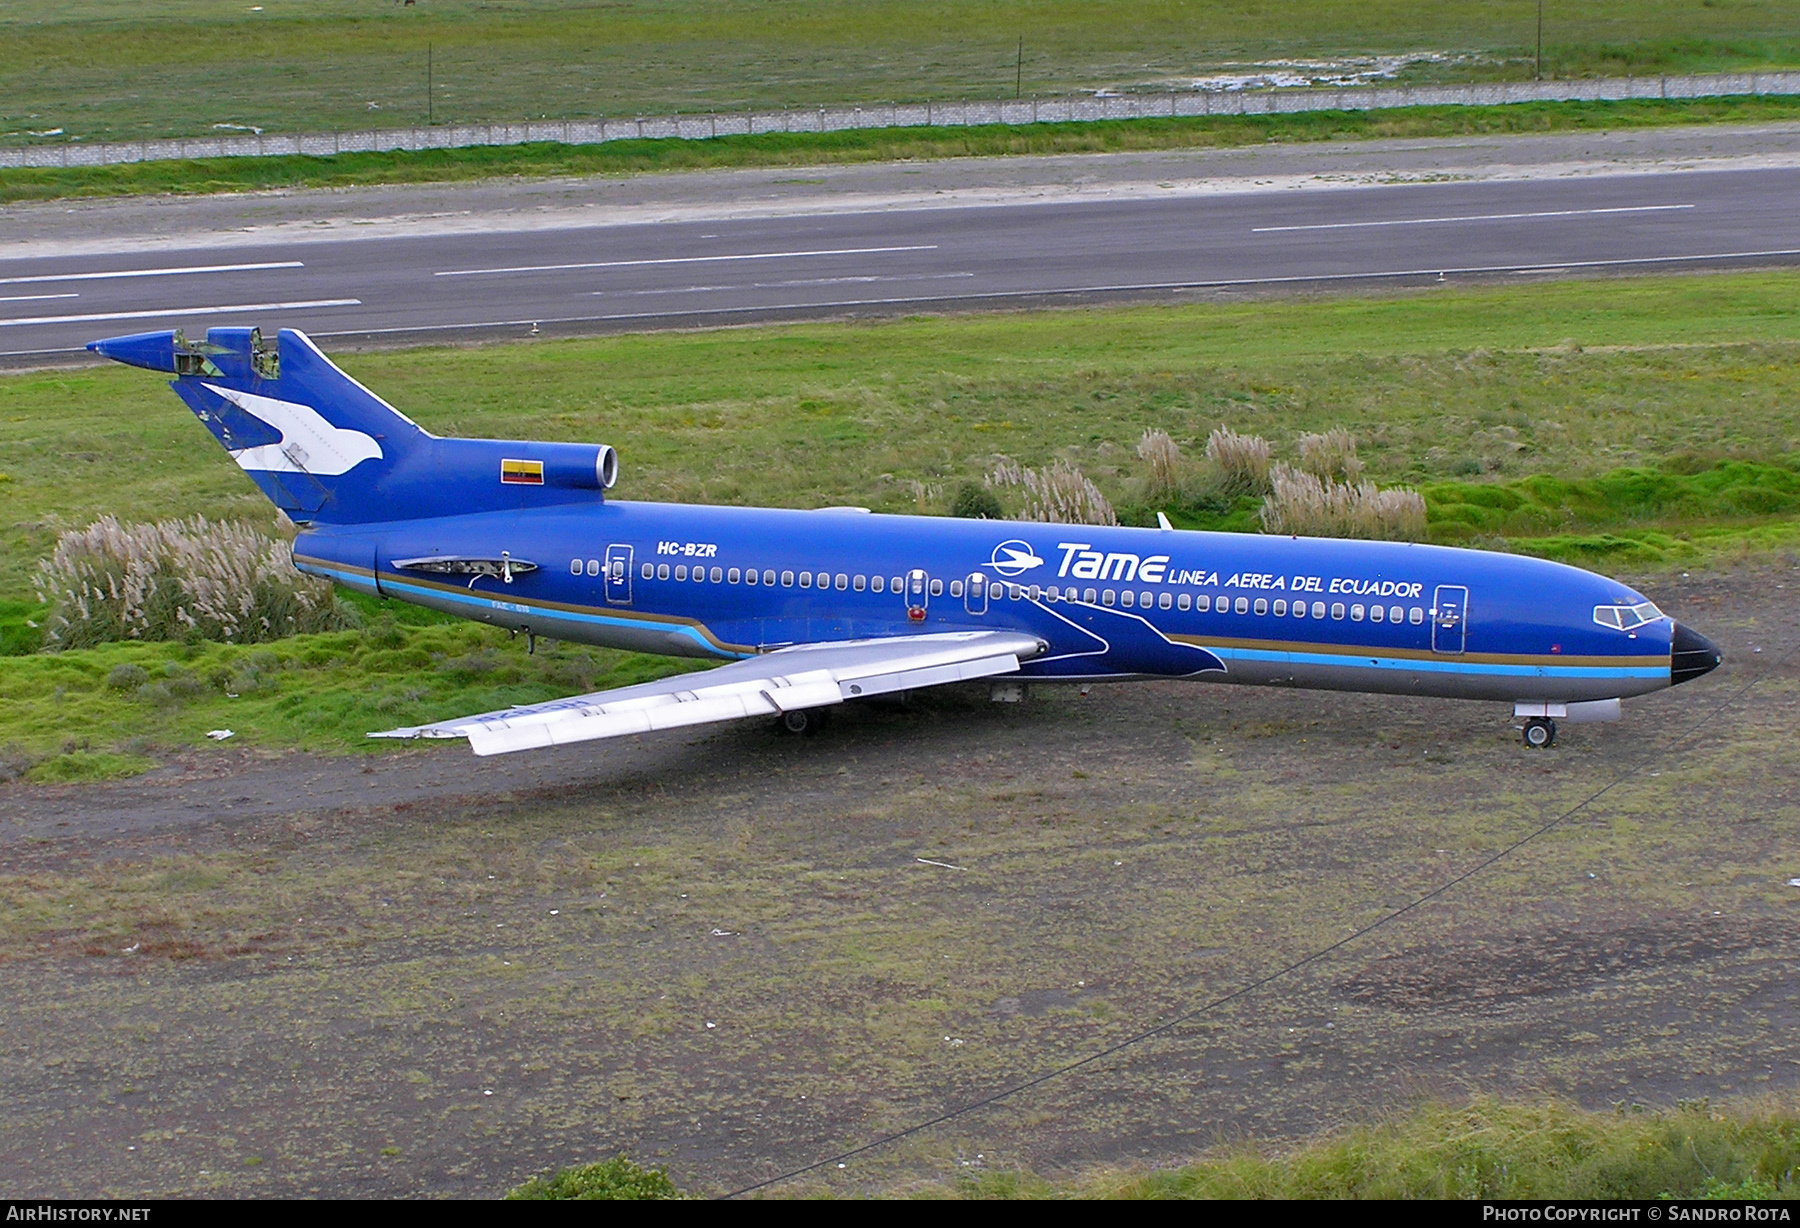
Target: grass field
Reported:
[(103, 71), (1483, 1150), (199, 176), (1628, 424)]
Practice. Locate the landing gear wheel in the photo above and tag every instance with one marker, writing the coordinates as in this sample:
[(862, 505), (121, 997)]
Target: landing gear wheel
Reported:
[(805, 721), (1540, 732)]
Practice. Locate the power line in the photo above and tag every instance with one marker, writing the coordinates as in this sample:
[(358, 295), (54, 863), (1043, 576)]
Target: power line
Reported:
[(1304, 961)]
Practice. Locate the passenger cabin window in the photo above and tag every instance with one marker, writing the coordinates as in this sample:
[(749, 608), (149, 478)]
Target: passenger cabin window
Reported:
[(750, 576), (1128, 599), (734, 575), (843, 582), (1416, 617), (768, 578), (593, 567), (1184, 601), (1337, 609), (1318, 609), (574, 567), (937, 588), (877, 584), (1107, 598), (1376, 613), (1396, 614), (662, 571), (1356, 613), (1280, 609), (1262, 606), (1089, 596), (1243, 605), (649, 571), (787, 579), (1166, 601), (1203, 603), (680, 572), (898, 585), (956, 588), (718, 575), (860, 583), (806, 579)]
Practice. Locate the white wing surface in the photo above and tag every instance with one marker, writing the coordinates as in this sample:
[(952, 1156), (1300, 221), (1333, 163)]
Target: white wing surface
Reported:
[(805, 676)]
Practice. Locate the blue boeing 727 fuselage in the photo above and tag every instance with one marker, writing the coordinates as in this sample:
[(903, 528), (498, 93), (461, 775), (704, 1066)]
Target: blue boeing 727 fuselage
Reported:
[(520, 535)]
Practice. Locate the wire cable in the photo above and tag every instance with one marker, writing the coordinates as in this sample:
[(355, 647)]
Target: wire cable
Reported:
[(1245, 990)]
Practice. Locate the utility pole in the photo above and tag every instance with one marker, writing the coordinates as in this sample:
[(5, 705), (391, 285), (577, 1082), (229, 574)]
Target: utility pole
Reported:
[(1539, 73), (1019, 71), (428, 98)]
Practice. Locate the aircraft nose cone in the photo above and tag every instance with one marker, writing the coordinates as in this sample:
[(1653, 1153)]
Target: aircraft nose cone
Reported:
[(1691, 655)]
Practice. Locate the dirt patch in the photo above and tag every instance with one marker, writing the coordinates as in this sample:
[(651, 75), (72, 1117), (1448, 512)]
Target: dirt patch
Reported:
[(731, 952)]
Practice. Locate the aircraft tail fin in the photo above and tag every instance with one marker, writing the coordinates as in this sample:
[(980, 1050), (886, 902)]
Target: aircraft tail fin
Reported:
[(325, 449)]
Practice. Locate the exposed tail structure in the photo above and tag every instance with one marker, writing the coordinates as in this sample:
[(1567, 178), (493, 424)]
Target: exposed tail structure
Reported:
[(326, 450)]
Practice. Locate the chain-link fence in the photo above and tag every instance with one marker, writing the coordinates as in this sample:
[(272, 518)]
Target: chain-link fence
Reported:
[(1086, 108)]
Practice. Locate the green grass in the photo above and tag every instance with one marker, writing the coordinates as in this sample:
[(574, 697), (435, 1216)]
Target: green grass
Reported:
[(1486, 1150), (312, 692), (616, 1179), (105, 71), (209, 175)]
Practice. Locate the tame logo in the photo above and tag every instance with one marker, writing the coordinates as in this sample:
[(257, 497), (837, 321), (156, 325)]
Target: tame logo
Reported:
[(1014, 558), (1084, 563)]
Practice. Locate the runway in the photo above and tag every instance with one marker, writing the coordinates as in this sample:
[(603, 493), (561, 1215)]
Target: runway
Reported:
[(799, 244)]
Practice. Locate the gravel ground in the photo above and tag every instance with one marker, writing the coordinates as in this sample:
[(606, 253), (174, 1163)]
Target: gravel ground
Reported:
[(739, 952)]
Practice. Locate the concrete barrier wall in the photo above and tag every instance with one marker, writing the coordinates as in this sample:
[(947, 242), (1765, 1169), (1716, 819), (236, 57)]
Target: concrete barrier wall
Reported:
[(940, 114)]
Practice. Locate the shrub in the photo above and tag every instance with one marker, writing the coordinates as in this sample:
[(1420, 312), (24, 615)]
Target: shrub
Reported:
[(1331, 456), (1162, 466), (974, 502), (617, 1178), (1060, 494), (1303, 504), (127, 677), (179, 580), (1240, 463)]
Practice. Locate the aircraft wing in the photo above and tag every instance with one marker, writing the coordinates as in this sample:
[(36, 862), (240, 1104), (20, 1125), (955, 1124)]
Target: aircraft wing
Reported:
[(804, 676)]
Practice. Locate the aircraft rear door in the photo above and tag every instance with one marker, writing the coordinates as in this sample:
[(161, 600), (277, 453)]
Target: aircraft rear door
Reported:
[(618, 575), (1449, 618)]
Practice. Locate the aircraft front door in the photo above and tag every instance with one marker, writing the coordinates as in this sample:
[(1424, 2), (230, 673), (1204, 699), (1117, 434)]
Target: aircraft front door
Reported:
[(975, 595), (918, 594), (1449, 618), (618, 575)]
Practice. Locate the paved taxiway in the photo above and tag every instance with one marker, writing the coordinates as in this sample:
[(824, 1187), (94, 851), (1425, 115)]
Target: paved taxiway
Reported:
[(600, 254)]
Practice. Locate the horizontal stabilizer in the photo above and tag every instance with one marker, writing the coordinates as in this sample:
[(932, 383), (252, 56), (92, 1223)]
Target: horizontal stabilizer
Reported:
[(806, 676)]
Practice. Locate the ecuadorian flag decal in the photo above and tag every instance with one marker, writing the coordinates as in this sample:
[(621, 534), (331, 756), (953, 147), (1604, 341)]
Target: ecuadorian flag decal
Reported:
[(521, 472)]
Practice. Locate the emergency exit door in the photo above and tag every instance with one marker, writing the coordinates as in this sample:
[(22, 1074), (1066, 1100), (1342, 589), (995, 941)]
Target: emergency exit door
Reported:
[(1449, 618), (618, 575)]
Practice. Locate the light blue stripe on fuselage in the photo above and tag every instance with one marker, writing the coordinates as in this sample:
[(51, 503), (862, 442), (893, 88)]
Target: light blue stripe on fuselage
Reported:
[(389, 584), (1448, 665)]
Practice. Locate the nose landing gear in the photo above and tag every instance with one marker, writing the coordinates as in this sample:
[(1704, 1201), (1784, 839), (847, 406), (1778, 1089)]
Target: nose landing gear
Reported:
[(1540, 732)]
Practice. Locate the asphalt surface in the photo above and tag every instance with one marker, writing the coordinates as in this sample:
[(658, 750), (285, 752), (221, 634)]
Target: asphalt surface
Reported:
[(597, 255)]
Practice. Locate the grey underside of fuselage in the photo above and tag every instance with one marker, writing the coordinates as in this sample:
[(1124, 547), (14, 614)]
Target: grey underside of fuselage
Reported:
[(1450, 677)]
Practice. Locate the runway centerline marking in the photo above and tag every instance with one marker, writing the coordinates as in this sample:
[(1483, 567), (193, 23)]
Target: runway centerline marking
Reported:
[(1471, 217), (773, 285), (226, 309), (631, 264), (178, 272), (34, 298)]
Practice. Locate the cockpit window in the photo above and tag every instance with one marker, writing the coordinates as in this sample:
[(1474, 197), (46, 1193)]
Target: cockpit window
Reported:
[(1626, 617)]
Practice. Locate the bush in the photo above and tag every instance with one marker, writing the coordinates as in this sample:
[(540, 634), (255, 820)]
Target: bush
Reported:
[(1240, 463), (1162, 466), (1331, 456), (127, 677), (1305, 505), (1060, 494), (617, 1178), (974, 502), (179, 580)]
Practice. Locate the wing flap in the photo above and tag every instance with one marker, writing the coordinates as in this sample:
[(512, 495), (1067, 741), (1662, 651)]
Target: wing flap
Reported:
[(806, 676)]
